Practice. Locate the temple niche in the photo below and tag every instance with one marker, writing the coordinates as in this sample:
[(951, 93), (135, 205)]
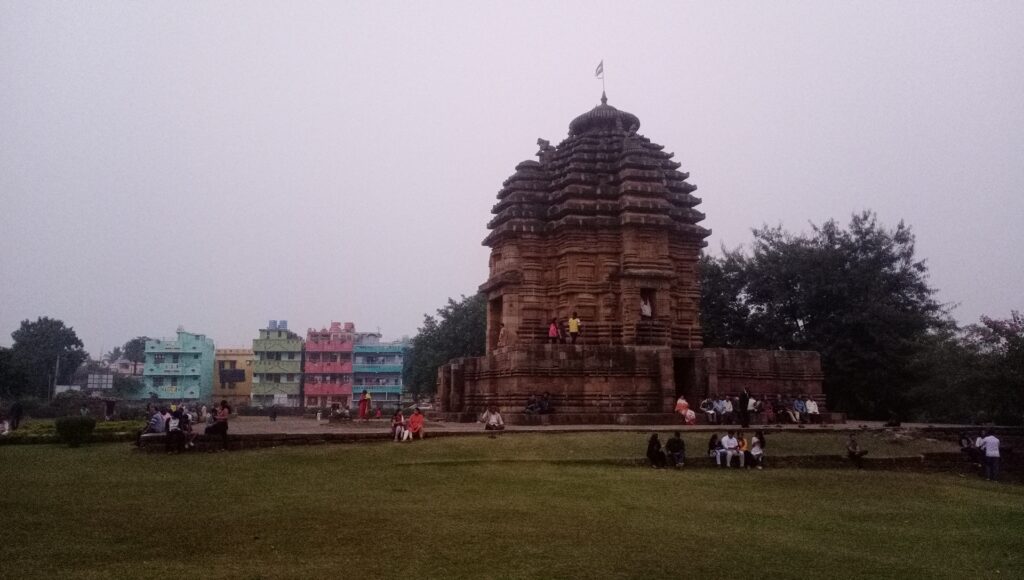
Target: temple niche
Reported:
[(604, 225)]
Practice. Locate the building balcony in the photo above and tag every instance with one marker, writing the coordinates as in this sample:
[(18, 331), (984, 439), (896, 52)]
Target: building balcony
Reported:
[(259, 389), (380, 348), (377, 389), (329, 368), (163, 345), (277, 345), (329, 346), (175, 369), (321, 389), (377, 368), (291, 367)]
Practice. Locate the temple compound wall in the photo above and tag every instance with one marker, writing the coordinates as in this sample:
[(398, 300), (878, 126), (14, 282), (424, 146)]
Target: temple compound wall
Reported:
[(603, 226)]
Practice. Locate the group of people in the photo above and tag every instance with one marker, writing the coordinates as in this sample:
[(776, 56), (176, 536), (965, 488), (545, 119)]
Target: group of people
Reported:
[(735, 445), (723, 410), (983, 449), (539, 405), (672, 455), (178, 423), (559, 333), (403, 429)]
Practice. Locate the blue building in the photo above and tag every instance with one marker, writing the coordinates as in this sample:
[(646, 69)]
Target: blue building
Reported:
[(377, 369), (178, 368)]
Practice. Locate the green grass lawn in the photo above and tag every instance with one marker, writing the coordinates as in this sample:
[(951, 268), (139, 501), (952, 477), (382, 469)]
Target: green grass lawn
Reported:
[(492, 508)]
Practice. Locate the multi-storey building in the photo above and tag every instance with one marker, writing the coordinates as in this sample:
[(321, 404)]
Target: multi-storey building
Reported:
[(327, 370), (377, 369), (232, 377), (178, 368), (277, 368)]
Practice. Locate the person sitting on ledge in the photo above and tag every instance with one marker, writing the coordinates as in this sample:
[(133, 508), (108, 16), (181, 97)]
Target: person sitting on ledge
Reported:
[(791, 413), (675, 449), (730, 449), (654, 453), (800, 409), (854, 452), (554, 334), (416, 424), (768, 410), (729, 414), (492, 420), (719, 407), (544, 407), (398, 425), (715, 449), (708, 408), (532, 405), (813, 416), (743, 448), (757, 447)]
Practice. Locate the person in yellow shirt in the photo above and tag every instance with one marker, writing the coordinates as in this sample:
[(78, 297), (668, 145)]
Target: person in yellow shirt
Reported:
[(574, 327)]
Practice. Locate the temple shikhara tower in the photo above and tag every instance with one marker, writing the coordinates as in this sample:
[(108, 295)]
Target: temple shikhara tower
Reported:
[(603, 225)]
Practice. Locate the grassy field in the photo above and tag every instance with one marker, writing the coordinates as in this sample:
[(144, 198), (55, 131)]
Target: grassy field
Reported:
[(493, 508)]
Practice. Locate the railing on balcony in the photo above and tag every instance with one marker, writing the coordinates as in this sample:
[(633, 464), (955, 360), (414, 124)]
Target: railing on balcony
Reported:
[(377, 368), (328, 367), (277, 366), (372, 348), (329, 346)]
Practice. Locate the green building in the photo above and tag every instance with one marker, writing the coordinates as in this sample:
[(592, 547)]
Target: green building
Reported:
[(178, 368), (277, 368)]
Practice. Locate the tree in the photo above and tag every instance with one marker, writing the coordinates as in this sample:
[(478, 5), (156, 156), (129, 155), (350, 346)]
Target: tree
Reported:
[(135, 351), (126, 387), (458, 330), (115, 353), (856, 295), (11, 378), (42, 348)]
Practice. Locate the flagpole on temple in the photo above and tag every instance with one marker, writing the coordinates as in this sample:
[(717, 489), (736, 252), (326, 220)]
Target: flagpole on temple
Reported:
[(599, 73)]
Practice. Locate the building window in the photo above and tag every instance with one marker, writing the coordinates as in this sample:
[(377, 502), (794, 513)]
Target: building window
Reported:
[(223, 364), (158, 358), (174, 381), (174, 358), (158, 382), (291, 356), (231, 364)]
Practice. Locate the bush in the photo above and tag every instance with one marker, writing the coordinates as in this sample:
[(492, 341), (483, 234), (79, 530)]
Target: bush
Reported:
[(75, 430)]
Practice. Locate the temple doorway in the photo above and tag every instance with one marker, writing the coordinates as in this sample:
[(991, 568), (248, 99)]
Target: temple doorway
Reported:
[(685, 368), (494, 321)]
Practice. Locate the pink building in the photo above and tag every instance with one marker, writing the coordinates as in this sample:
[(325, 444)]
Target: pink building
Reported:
[(327, 369)]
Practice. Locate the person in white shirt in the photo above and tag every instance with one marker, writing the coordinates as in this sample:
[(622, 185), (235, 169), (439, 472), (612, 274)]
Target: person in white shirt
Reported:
[(812, 410), (730, 449), (990, 445), (728, 411), (492, 420), (757, 445)]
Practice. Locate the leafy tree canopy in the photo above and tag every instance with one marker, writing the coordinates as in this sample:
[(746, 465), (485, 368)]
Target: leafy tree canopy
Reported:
[(458, 330), (857, 295), (37, 347)]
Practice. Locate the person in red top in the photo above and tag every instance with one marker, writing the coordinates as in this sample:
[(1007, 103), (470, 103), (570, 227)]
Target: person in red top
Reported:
[(416, 423), (220, 424), (364, 406)]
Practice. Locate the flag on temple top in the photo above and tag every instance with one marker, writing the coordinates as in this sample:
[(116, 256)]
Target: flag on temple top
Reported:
[(599, 71)]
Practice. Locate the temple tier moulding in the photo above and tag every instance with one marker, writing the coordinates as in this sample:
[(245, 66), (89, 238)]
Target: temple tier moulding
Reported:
[(603, 225)]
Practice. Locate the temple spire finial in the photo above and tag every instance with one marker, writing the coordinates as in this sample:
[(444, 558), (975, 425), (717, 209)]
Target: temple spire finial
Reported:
[(604, 98)]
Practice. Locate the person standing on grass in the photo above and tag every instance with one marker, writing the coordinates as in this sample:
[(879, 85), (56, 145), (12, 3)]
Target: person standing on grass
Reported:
[(854, 452), (416, 424), (990, 446), (364, 406), (220, 423), (654, 453), (675, 449), (574, 327)]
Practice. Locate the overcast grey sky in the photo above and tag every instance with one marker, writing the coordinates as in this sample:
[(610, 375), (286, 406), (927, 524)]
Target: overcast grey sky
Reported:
[(219, 164)]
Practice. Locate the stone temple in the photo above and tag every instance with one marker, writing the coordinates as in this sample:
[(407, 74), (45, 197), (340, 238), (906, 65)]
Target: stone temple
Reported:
[(605, 225)]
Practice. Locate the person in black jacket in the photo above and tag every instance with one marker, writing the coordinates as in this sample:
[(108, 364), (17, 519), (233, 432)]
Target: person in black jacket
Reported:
[(675, 449), (654, 453)]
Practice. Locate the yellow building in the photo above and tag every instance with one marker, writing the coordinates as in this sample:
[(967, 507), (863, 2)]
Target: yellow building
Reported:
[(232, 376)]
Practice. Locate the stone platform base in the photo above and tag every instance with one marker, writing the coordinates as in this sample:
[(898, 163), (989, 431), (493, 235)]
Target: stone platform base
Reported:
[(606, 419)]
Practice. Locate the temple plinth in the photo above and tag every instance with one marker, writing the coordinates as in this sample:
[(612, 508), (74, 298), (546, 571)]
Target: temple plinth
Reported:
[(603, 225)]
